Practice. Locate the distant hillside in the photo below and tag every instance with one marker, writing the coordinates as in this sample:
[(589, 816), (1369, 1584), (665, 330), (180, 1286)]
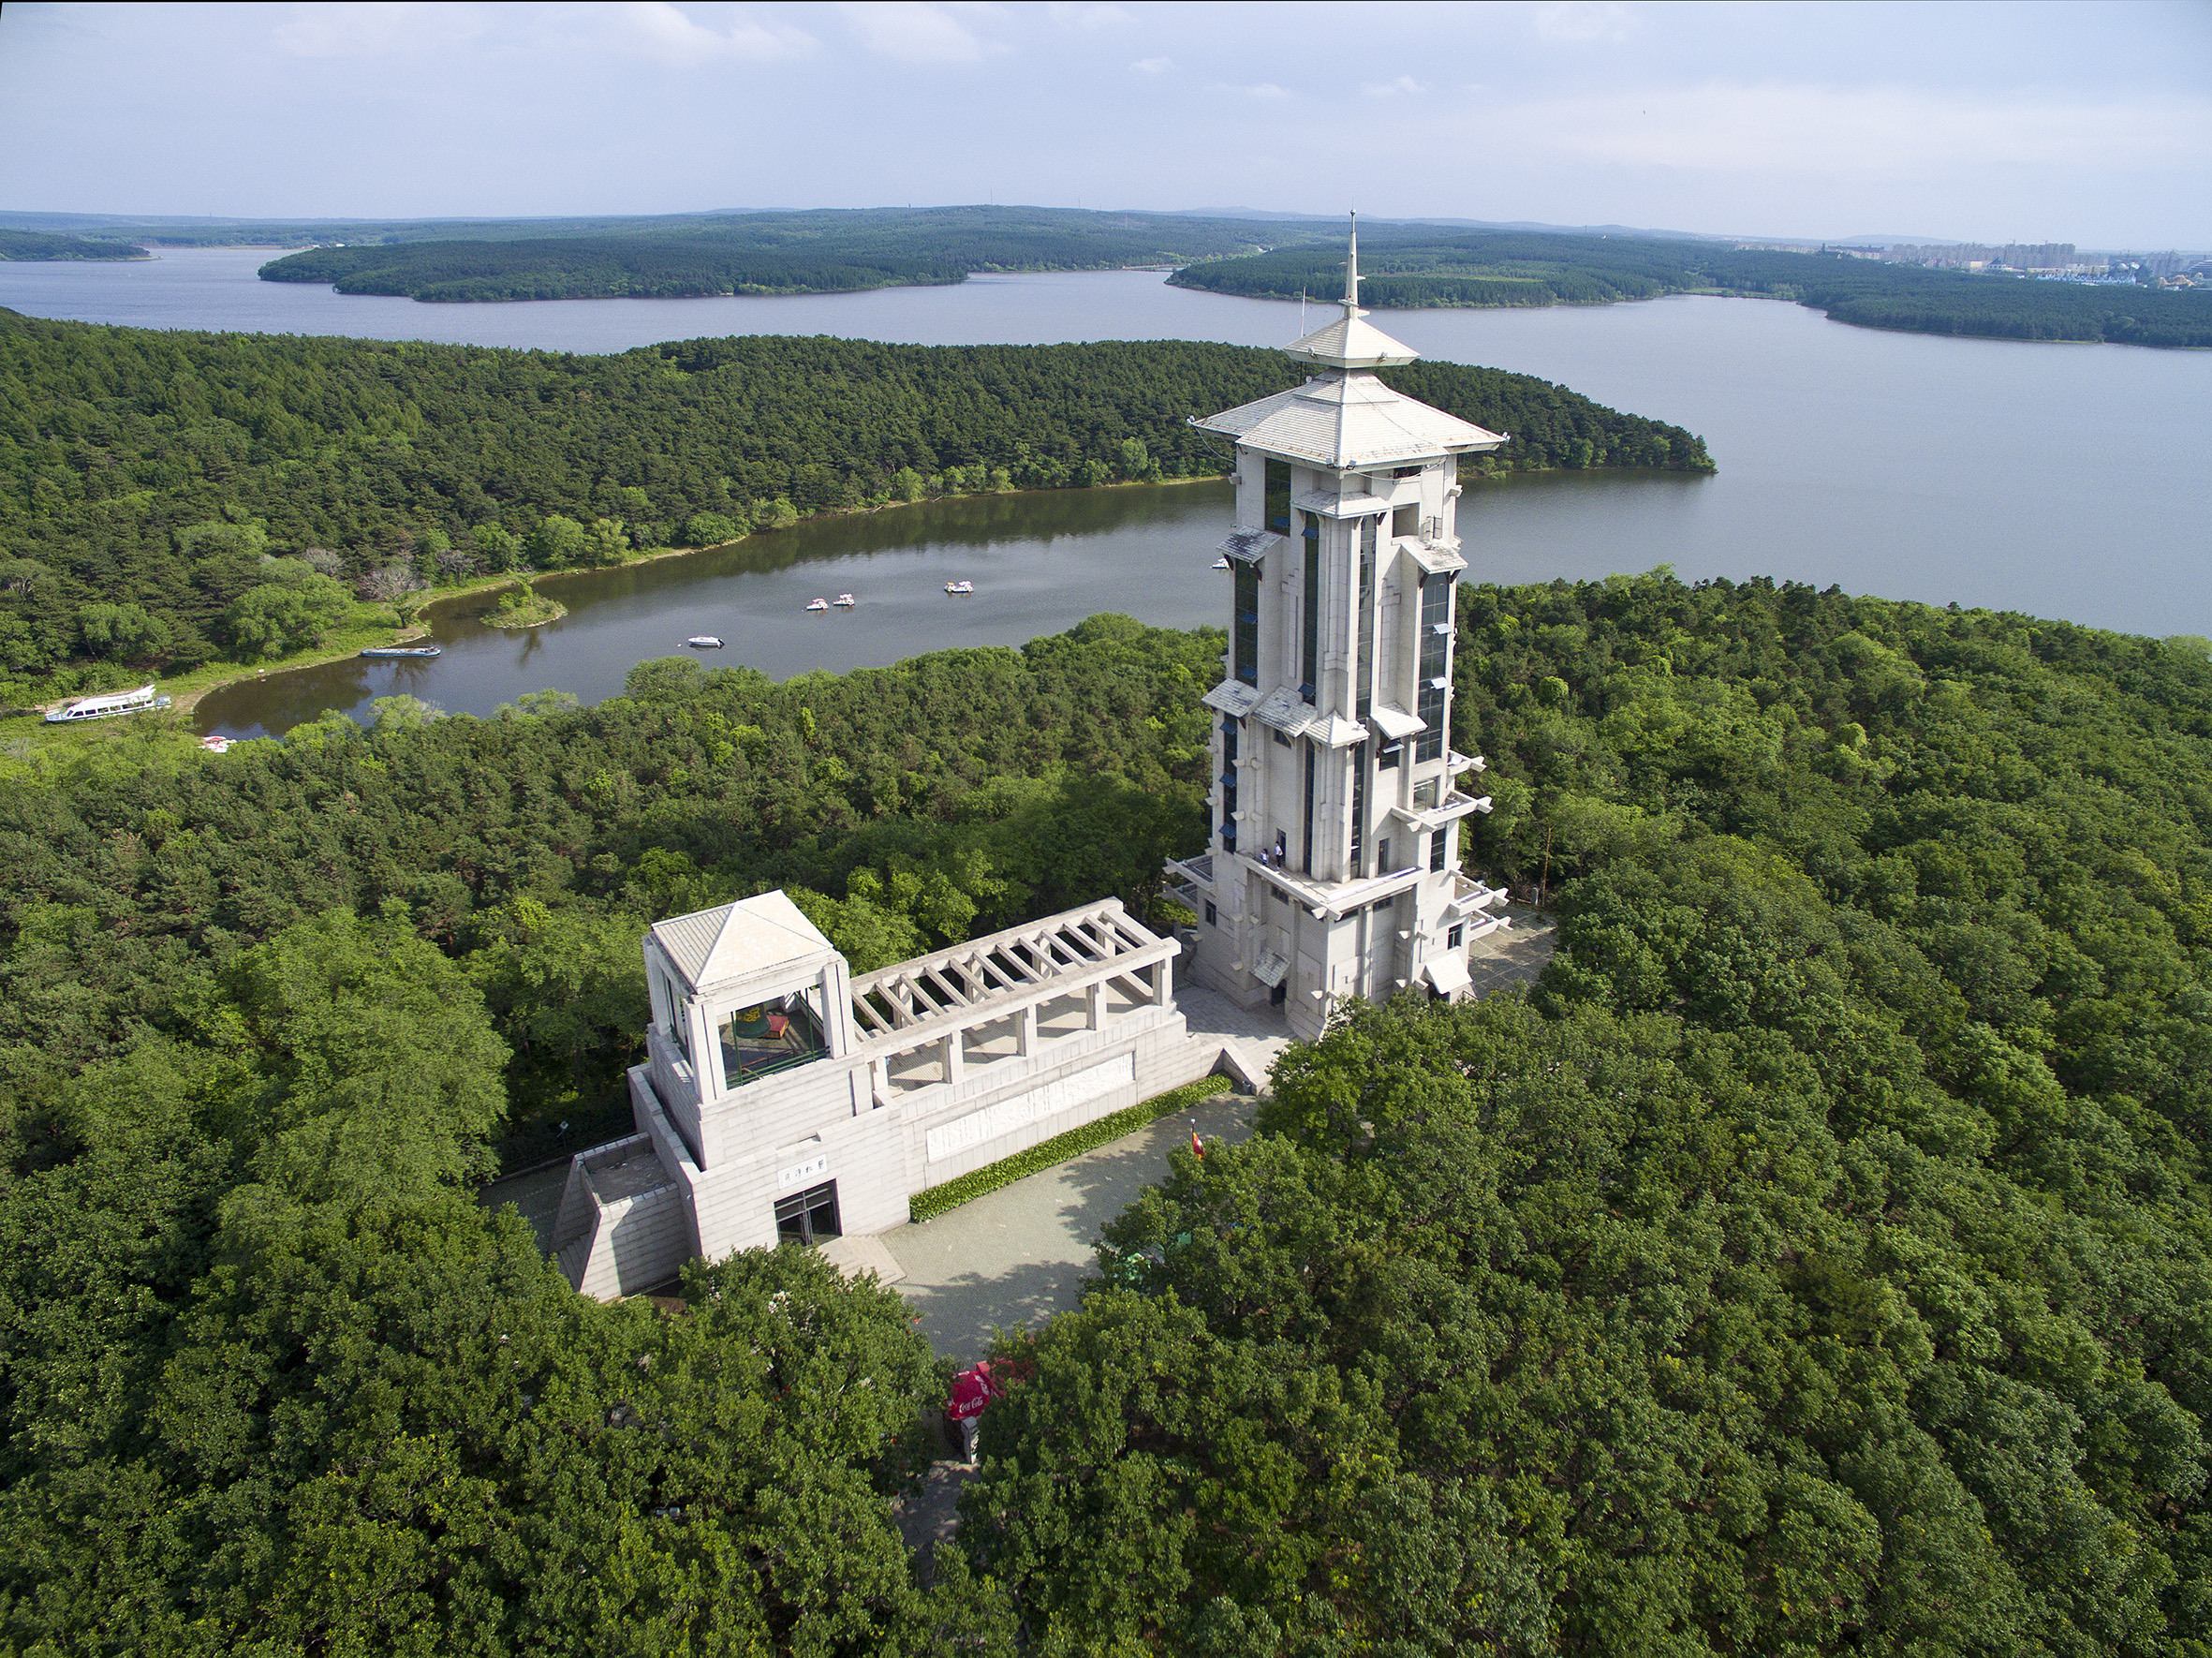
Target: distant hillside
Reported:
[(32, 244), (1401, 270), (818, 252)]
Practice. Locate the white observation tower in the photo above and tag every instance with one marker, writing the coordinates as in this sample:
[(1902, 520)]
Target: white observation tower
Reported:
[(1333, 868)]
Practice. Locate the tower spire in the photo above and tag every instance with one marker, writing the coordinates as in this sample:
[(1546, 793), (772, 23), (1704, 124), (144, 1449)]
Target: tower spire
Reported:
[(1352, 272)]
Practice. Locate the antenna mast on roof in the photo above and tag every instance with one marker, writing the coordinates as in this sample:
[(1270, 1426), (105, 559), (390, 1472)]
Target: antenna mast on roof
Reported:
[(1351, 271)]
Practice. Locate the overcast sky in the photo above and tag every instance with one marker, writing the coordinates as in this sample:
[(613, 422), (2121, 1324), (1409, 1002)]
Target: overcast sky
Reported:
[(2086, 124)]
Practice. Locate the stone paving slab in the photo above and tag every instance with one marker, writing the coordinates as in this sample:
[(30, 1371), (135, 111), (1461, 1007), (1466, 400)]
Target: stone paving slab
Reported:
[(1018, 1255), (856, 1256), (1513, 956)]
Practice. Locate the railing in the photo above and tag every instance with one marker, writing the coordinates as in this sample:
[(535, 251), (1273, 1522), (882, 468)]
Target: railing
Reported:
[(788, 1062)]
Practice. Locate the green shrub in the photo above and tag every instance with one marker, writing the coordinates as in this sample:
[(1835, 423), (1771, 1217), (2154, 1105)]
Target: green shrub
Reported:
[(924, 1205)]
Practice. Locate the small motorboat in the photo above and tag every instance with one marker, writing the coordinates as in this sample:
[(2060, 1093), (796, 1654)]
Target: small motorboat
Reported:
[(845, 601), (960, 587), (107, 708), (703, 642), (818, 604), (389, 652), (1221, 563)]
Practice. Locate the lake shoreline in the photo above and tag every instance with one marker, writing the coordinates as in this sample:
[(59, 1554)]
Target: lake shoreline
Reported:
[(185, 700)]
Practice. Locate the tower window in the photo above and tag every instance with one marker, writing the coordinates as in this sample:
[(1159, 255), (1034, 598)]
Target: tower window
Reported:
[(1359, 810), (1245, 662), (1406, 520), (1364, 643), (1312, 537), (1305, 864), (1438, 848), (1210, 919), (1453, 938), (1435, 640), (1276, 507)]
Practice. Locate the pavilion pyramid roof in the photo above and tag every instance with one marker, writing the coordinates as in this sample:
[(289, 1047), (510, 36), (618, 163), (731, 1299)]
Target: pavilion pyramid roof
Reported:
[(710, 945)]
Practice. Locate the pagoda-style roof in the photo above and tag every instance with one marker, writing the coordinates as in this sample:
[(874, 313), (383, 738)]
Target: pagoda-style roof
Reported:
[(1348, 421), (1352, 342)]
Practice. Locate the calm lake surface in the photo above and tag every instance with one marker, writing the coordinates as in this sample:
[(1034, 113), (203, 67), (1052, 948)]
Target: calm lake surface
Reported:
[(2061, 481)]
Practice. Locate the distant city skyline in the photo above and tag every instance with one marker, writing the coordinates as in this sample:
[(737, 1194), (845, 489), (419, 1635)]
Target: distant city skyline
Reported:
[(1994, 123)]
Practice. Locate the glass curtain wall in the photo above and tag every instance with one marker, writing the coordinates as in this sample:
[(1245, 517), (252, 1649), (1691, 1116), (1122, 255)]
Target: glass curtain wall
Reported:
[(1436, 642)]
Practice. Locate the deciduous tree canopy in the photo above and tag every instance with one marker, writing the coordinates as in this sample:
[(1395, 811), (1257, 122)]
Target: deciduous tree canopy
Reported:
[(1816, 1262)]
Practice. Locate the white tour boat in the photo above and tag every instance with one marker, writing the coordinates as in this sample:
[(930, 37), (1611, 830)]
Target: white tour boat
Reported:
[(108, 706), (845, 601), (819, 604), (703, 642), (1221, 563), (960, 587)]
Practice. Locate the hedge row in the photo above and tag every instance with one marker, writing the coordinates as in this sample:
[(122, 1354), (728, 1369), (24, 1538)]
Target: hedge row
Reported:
[(922, 1205)]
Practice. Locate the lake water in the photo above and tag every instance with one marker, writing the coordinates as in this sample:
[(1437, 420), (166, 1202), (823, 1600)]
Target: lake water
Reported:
[(1041, 562), (2062, 481)]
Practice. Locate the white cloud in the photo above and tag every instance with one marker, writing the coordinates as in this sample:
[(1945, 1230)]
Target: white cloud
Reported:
[(1886, 132), (1266, 89), (657, 29), (1577, 22), (1404, 86), (1153, 65), (1087, 17), (914, 34), (379, 30)]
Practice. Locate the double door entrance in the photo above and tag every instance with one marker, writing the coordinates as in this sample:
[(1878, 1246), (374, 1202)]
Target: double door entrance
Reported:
[(810, 1216)]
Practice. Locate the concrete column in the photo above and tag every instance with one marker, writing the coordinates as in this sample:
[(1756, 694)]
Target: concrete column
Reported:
[(1163, 983), (706, 1057), (954, 1068), (1095, 1018), (1025, 1032)]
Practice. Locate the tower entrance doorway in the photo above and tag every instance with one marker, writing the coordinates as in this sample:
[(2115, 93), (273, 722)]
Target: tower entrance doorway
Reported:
[(811, 1217)]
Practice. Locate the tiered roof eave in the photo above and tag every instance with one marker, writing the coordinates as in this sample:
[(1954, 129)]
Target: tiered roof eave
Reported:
[(1347, 421)]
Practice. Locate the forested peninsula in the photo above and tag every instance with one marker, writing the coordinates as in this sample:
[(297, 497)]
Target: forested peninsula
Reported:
[(1815, 1262), (1402, 269), (824, 251), (169, 499), (30, 245)]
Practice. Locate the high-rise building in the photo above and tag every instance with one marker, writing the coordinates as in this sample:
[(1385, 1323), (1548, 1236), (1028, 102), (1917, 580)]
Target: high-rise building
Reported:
[(1334, 864)]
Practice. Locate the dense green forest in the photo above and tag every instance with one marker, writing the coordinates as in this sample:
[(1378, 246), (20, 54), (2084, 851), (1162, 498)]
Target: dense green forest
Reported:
[(1819, 1261), (270, 1380), (1816, 1262), (825, 251), (167, 498), (29, 245), (1400, 269)]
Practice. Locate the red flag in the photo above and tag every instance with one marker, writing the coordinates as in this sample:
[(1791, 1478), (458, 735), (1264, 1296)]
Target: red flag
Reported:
[(1196, 1149)]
